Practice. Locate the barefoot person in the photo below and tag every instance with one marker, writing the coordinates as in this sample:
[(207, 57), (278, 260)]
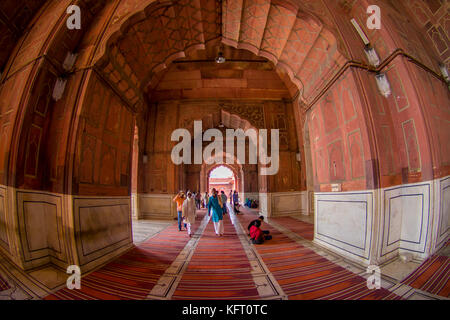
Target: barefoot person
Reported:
[(188, 212), (224, 202), (215, 204)]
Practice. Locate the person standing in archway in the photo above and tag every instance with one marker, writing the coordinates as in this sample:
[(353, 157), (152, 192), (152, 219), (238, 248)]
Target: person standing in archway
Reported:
[(179, 199), (230, 196), (224, 201), (215, 203), (205, 200), (188, 212), (198, 199)]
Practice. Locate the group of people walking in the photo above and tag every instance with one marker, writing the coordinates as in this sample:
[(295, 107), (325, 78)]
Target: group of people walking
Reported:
[(189, 202), (186, 210), (187, 205)]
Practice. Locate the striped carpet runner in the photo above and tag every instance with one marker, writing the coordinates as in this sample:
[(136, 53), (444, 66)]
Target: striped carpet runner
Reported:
[(305, 275), (133, 275), (432, 276), (219, 268), (303, 229)]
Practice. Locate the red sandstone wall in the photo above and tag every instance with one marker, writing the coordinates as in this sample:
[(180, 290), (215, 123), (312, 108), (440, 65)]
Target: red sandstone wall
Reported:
[(359, 130), (163, 176), (432, 17), (338, 137), (106, 131)]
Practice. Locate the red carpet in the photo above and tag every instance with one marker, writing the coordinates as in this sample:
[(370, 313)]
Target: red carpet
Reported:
[(432, 276), (303, 229), (305, 275), (133, 275), (219, 268), (3, 284)]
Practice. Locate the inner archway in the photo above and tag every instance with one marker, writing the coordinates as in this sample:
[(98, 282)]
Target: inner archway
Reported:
[(222, 178)]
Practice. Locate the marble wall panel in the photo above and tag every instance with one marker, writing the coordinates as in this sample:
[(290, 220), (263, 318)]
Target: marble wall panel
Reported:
[(159, 206), (344, 222), (102, 227), (442, 213), (40, 219), (288, 203), (407, 211), (3, 224)]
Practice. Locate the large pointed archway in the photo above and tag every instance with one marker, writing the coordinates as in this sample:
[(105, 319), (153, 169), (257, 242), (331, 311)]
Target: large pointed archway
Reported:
[(67, 159)]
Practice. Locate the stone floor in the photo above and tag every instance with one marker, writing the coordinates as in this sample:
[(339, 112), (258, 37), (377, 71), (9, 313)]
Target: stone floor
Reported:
[(305, 218), (39, 283), (144, 229)]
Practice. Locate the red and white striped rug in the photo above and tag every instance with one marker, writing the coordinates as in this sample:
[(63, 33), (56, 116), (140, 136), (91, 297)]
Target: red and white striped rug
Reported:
[(432, 276), (133, 275), (305, 275), (219, 268)]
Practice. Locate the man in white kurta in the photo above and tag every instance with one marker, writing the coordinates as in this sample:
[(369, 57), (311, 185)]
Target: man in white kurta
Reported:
[(188, 212)]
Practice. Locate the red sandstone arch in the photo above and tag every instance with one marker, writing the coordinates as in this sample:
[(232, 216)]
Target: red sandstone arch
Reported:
[(286, 33), (235, 168), (37, 60), (232, 121)]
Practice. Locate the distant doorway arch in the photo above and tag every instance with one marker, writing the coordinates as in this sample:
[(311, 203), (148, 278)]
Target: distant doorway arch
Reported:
[(236, 169), (222, 178)]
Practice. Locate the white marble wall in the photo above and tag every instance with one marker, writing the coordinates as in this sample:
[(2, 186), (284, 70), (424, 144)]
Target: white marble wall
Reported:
[(102, 227), (38, 228), (4, 242), (265, 204), (32, 231), (157, 206), (344, 223), (41, 228), (442, 213), (279, 204), (289, 203), (405, 220), (135, 212), (377, 226)]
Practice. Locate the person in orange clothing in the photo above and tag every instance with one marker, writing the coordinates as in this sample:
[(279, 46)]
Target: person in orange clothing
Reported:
[(179, 199)]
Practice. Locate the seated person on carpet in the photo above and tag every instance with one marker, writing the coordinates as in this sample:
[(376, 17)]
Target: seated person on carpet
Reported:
[(236, 208), (260, 220), (256, 234)]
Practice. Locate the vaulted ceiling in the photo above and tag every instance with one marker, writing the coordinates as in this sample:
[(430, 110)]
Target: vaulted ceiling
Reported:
[(285, 33), (243, 75), (15, 16)]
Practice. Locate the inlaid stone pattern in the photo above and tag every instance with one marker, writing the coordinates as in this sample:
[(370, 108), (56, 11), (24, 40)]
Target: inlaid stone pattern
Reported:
[(433, 17), (253, 112)]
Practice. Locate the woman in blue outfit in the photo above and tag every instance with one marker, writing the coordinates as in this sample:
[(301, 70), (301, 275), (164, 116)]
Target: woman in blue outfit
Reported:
[(215, 203)]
